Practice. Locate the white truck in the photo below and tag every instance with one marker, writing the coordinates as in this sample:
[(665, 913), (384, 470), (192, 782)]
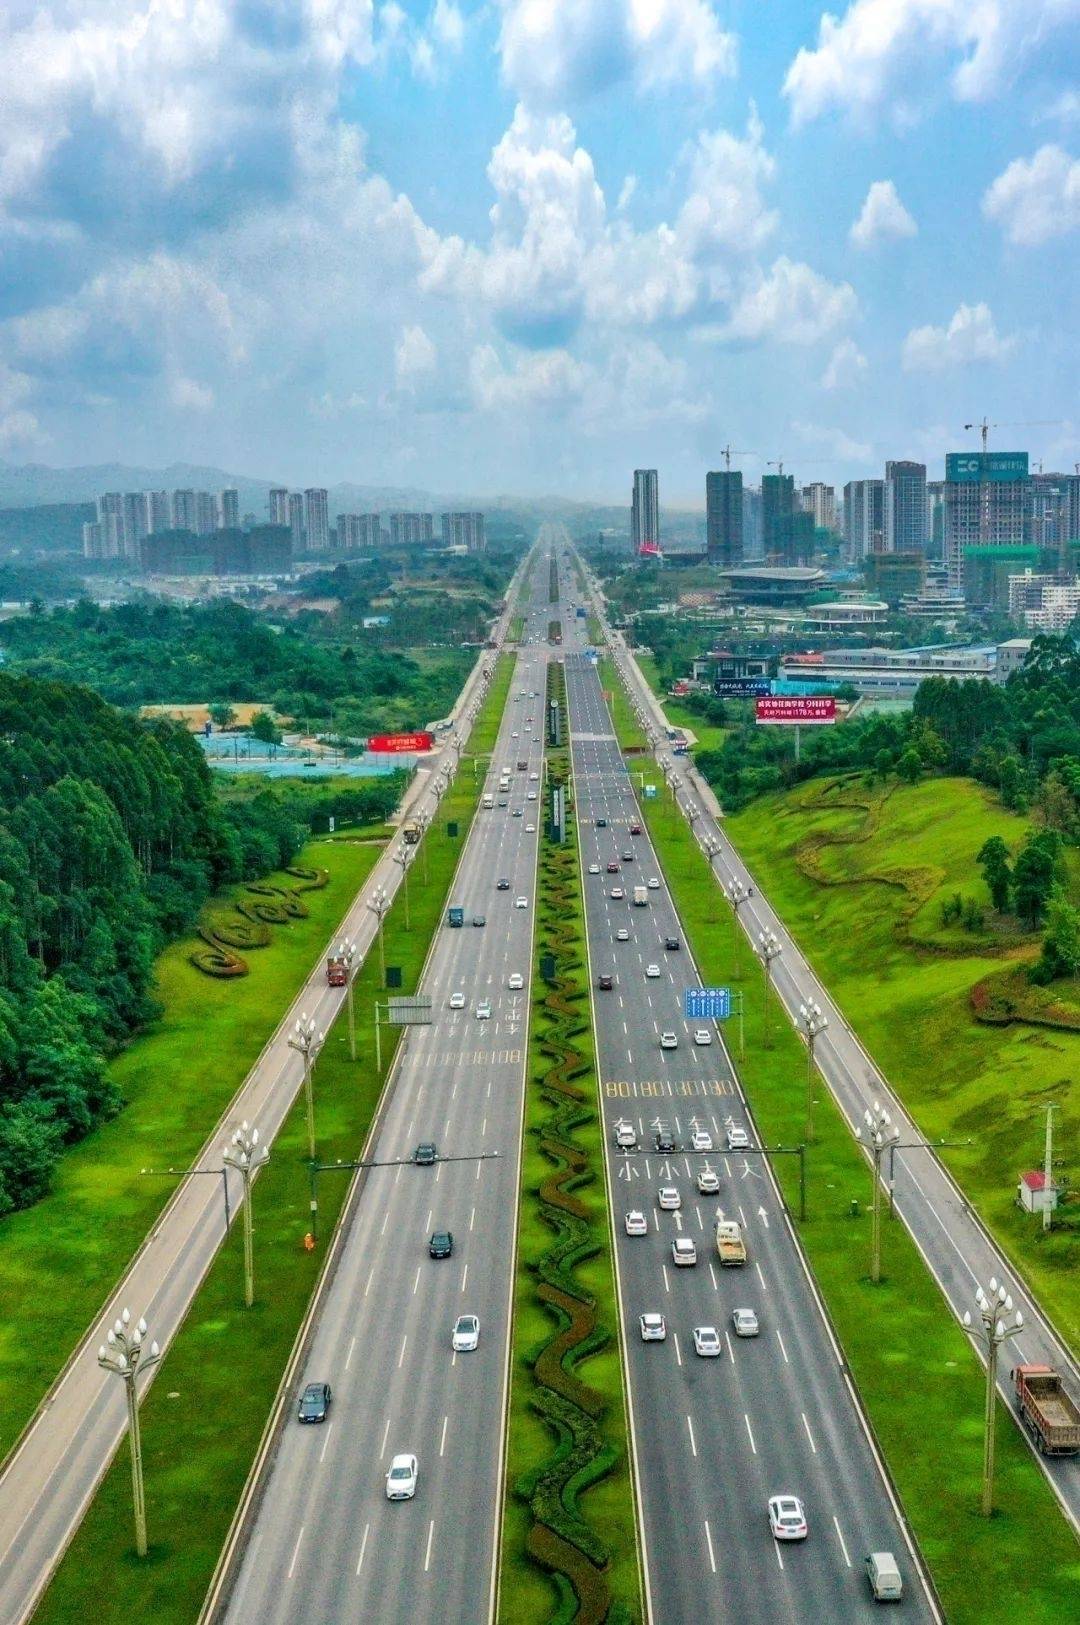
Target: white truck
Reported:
[(730, 1246), (641, 896)]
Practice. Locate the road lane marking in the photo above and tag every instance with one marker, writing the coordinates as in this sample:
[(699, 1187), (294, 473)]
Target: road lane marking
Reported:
[(783, 1350), (667, 1283), (430, 1214), (840, 1538), (678, 1351), (809, 1435), (397, 1176), (442, 1441), (708, 1540), (352, 1345), (730, 1350), (483, 1128), (693, 1441), (416, 1283), (776, 1549), (386, 1435), (326, 1441), (479, 1165), (715, 1282), (430, 1537), (438, 1171), (401, 1356), (472, 1216), (750, 1432), (386, 1218), (464, 1277), (760, 1277), (296, 1551), (363, 1548)]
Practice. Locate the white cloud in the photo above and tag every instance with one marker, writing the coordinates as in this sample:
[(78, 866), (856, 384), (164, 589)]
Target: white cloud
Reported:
[(835, 441), (626, 192), (790, 304), (448, 25), (882, 217), (415, 358), (191, 396), (547, 378), (1064, 109), (554, 52), (883, 52), (725, 211), (847, 364), (1036, 198), (970, 336), (15, 386), (20, 432)]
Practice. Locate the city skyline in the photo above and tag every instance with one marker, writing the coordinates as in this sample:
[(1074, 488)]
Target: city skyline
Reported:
[(519, 248)]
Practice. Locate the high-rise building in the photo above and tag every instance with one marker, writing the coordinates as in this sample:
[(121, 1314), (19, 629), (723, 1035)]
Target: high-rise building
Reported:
[(348, 530), (407, 528), (296, 521), (110, 516), (864, 518), (228, 510), (905, 507), (724, 517), (205, 513), (777, 507), (157, 512), (134, 522), (987, 507), (464, 530), (279, 506), (935, 518), (1072, 508), (370, 530), (317, 519), (645, 511), (1050, 511), (183, 510), (92, 541), (751, 512), (820, 501)]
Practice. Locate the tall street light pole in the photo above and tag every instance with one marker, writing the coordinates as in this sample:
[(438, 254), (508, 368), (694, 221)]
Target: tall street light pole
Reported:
[(423, 820), (812, 1022), (123, 1353), (307, 1041), (346, 952), (737, 894), (995, 1330), (379, 903), (247, 1156), (404, 859), (880, 1133), (769, 947)]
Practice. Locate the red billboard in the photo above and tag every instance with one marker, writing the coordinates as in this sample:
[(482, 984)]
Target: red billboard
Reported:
[(400, 742), (808, 709)]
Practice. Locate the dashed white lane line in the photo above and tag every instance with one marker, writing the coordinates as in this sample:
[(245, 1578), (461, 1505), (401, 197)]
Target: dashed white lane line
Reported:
[(760, 1277), (401, 1356), (296, 1551), (442, 1441), (693, 1441), (809, 1435), (386, 1220), (750, 1433), (776, 1549), (416, 1283), (464, 1277), (715, 1282), (352, 1345), (678, 1351), (430, 1538), (783, 1350), (385, 1436), (708, 1542), (667, 1283), (730, 1350), (326, 1441), (363, 1548), (472, 1217), (840, 1538)]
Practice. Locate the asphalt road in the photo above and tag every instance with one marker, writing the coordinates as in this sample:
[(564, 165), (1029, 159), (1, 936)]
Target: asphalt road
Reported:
[(51, 1475), (326, 1544), (960, 1253), (714, 1438)]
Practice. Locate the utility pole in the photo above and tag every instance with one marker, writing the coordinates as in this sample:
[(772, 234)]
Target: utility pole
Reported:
[(995, 1331), (247, 1156), (1048, 1167), (124, 1354)]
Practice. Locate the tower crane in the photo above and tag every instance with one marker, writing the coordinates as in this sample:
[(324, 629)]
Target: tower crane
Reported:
[(984, 426), (727, 454)]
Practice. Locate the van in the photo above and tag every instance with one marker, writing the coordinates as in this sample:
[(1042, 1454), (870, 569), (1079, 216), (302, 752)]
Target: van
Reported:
[(489, 802), (884, 1577)]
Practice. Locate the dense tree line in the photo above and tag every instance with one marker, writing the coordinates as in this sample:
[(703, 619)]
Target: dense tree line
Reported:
[(111, 838)]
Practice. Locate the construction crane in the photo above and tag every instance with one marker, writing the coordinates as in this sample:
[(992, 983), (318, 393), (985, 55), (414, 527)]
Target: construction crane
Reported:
[(984, 426), (778, 464), (727, 454)]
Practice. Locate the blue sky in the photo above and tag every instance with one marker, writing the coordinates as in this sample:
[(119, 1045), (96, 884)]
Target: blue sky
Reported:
[(527, 245)]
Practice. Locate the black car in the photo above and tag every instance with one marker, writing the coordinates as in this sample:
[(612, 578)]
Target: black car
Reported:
[(441, 1244), (601, 823), (479, 919), (425, 1154), (671, 943), (606, 982), (315, 1402), (502, 885), (665, 1142)]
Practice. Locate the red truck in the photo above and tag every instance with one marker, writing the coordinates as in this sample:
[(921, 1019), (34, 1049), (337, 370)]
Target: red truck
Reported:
[(1049, 1414), (337, 971)]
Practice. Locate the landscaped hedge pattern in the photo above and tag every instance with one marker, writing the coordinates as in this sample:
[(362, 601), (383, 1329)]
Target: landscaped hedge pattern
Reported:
[(274, 905)]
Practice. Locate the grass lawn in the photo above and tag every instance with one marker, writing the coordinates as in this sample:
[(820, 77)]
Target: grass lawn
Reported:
[(918, 1376), (627, 727), (709, 736), (202, 1421), (60, 1258), (958, 1077)]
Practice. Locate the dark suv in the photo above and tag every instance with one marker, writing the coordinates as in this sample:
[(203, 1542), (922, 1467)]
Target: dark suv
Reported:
[(441, 1244), (665, 1142), (425, 1154), (671, 943), (314, 1402), (605, 982)]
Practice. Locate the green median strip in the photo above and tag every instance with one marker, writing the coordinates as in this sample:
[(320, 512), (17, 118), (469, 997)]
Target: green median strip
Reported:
[(204, 1416), (569, 1539), (630, 734), (922, 1385)]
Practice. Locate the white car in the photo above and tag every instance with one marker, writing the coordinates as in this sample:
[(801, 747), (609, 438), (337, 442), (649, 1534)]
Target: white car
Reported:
[(616, 894), (513, 736), (622, 934), (652, 883), (737, 1139), (636, 1224), (745, 1323), (683, 1251), (483, 1009), (530, 829), (669, 1041), (668, 1198), (466, 1336), (531, 796), (706, 1342), (594, 868), (787, 1519), (702, 1035), (516, 981), (535, 778), (708, 1181), (401, 1478), (653, 1328), (652, 972), (625, 1136), (521, 902), (700, 1139), (457, 1001)]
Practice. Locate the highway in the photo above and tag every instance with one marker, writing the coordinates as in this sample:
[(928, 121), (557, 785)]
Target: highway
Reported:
[(955, 1245), (325, 1544), (713, 1438), (51, 1475)]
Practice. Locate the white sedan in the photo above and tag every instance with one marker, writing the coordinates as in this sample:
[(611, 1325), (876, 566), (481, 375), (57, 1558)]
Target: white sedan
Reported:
[(521, 902), (653, 1328), (669, 1041), (515, 981), (401, 1478), (636, 1224), (457, 1001), (737, 1139), (700, 1140), (594, 868), (787, 1519), (530, 829), (708, 1182), (668, 1198), (616, 894), (652, 972), (531, 796), (483, 1009), (466, 1335), (745, 1323), (622, 934), (702, 1035), (653, 884), (625, 1135), (706, 1342)]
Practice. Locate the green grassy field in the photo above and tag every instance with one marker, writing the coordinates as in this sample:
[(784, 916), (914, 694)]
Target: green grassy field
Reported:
[(626, 724), (709, 736), (911, 1006), (920, 1381), (201, 1423), (60, 1258)]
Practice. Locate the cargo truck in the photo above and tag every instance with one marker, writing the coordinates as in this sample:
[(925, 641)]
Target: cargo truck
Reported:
[(729, 1243), (337, 971), (411, 833), (1050, 1415), (641, 896), (455, 916)]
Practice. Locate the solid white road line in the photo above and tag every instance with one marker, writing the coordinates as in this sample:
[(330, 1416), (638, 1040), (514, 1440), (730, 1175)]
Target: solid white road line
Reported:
[(430, 1537), (776, 1549), (352, 1345), (693, 1441), (750, 1433), (840, 1538), (296, 1551), (708, 1540), (363, 1548), (809, 1435), (783, 1350)]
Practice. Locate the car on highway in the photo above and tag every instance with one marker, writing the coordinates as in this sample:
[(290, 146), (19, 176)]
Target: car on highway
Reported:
[(502, 884), (653, 1328), (622, 934), (628, 855), (635, 829), (625, 1135), (737, 1138), (516, 813), (652, 972), (531, 796), (483, 1009), (425, 1154), (513, 735), (441, 1244), (594, 868), (534, 778), (515, 981), (707, 1342), (605, 981), (664, 1141), (708, 1181), (613, 868), (401, 1478), (530, 829), (479, 919), (652, 883), (668, 1198), (702, 1035), (314, 1402), (701, 1140), (683, 1251), (601, 823), (502, 802), (744, 1323), (466, 1334), (787, 1518), (616, 894), (671, 944), (669, 1041), (457, 1001), (636, 1223)]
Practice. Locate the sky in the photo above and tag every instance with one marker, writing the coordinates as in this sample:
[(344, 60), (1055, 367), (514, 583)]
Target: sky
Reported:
[(525, 246)]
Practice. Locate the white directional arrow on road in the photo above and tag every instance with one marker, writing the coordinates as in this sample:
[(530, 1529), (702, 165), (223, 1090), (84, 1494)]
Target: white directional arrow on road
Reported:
[(764, 1217)]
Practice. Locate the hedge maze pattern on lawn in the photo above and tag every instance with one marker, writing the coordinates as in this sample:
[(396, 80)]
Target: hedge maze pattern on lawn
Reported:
[(268, 905), (560, 1539)]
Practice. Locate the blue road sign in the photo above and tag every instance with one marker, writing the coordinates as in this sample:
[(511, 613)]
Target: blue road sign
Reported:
[(707, 1003)]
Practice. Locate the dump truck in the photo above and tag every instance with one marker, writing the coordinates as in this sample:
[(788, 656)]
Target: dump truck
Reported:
[(730, 1245), (337, 971), (1050, 1415), (641, 896), (455, 916), (412, 833)]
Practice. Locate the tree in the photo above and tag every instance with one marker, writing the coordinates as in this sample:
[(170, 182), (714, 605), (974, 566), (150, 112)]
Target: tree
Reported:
[(262, 726), (1013, 782), (1055, 807), (910, 766), (1061, 941), (1035, 874), (993, 857), (221, 714), (883, 763)]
